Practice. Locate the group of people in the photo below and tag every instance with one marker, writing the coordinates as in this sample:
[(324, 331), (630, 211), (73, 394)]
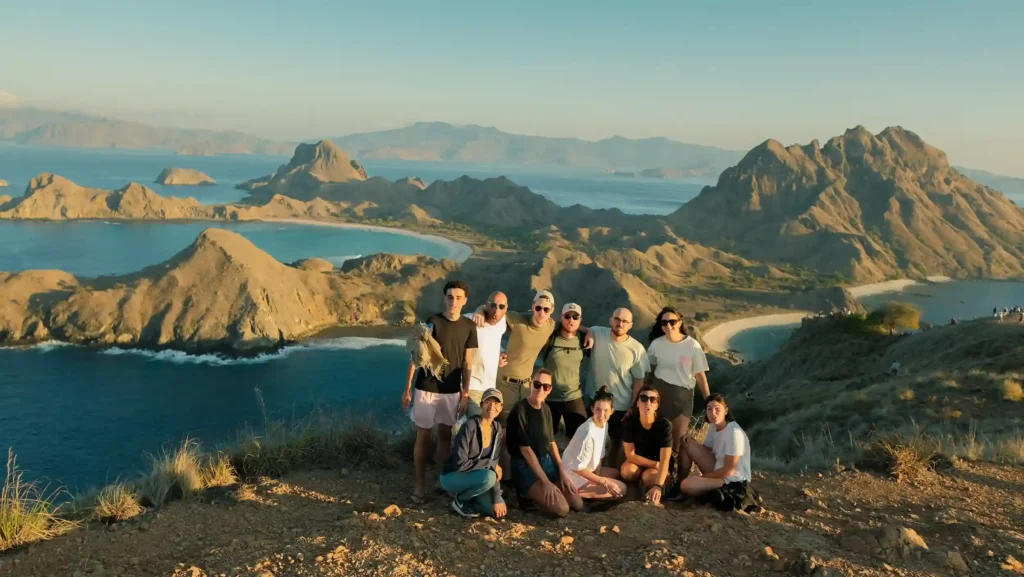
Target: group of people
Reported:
[(627, 421), (1015, 313)]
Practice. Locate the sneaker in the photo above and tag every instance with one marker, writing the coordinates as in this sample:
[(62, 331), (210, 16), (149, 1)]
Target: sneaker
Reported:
[(462, 509)]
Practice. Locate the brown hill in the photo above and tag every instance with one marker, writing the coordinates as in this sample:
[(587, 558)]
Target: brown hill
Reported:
[(53, 197), (310, 166), (864, 206), (180, 304), (183, 177)]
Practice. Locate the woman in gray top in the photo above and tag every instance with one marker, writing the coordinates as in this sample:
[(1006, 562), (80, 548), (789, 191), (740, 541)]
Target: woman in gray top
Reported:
[(563, 356)]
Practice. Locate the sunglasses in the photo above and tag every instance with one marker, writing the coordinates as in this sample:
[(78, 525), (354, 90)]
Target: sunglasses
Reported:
[(621, 321), (669, 322), (539, 308), (498, 306), (648, 399), (571, 316), (540, 385)]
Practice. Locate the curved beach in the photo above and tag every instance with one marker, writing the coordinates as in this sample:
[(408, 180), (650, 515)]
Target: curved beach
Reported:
[(457, 251), (717, 339)]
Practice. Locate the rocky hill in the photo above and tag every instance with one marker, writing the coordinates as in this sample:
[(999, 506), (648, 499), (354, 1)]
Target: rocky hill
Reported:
[(311, 166), (865, 206), (53, 197), (438, 141), (180, 303), (183, 177)]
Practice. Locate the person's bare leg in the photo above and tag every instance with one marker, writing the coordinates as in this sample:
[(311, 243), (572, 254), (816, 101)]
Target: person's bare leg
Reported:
[(444, 444), (560, 508), (629, 472), (597, 492), (608, 472), (574, 500), (650, 478), (694, 452), (419, 459), (696, 486), (679, 431)]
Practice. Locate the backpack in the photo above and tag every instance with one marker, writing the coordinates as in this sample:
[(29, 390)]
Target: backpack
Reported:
[(550, 345)]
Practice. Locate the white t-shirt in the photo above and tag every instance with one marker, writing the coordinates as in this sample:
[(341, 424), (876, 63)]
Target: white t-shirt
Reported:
[(730, 441), (677, 363), (584, 451), (485, 358)]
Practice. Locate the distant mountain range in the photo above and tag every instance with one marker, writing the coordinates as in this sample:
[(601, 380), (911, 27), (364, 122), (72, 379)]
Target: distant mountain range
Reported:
[(439, 141), (426, 141)]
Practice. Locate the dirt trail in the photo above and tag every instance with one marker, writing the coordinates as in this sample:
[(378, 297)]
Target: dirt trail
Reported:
[(330, 523)]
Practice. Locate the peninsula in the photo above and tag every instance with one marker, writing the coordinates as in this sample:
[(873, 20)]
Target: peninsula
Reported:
[(183, 177)]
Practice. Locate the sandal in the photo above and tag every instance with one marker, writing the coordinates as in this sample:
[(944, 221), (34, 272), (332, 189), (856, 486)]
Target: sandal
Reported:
[(418, 499)]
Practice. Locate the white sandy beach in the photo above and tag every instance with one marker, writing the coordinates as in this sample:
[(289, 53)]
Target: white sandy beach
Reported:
[(889, 286), (457, 251), (717, 339)]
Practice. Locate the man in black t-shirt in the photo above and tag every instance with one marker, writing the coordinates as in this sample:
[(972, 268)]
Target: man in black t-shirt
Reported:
[(439, 402), (647, 443)]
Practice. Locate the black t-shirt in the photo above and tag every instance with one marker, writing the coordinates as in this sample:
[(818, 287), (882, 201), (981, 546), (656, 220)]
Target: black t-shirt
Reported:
[(530, 427), (648, 443), (454, 337)]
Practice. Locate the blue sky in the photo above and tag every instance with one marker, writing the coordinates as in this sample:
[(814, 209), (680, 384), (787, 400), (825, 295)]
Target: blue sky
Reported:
[(724, 73)]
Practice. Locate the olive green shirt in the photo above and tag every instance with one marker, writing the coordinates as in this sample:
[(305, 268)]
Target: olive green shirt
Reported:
[(524, 344), (564, 362)]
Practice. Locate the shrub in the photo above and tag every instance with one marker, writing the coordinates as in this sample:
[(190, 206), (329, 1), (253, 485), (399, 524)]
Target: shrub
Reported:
[(1012, 391), (116, 502), (894, 315), (218, 472), (904, 457), (28, 513), (175, 475)]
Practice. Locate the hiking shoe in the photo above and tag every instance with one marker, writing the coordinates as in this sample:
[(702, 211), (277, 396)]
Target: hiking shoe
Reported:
[(462, 509)]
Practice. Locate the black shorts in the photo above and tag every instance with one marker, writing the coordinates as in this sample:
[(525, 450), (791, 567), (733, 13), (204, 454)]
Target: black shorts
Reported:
[(616, 427), (574, 413), (675, 400)]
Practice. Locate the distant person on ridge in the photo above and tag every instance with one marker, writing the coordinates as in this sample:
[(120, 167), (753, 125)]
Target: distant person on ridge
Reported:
[(562, 355), (472, 472), (582, 456), (488, 358), (723, 460), (438, 402), (539, 474), (647, 442), (678, 366), (619, 362)]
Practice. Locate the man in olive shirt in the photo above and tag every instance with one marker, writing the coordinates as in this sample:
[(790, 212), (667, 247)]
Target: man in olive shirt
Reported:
[(563, 356)]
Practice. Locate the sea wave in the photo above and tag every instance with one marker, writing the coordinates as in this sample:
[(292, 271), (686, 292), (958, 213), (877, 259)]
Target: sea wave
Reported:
[(340, 260), (41, 347), (216, 360)]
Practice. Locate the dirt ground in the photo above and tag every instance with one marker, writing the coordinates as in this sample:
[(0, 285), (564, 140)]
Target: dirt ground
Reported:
[(358, 522)]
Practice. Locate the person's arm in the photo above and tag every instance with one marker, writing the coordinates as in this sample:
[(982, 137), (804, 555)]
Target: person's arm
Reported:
[(567, 483), (632, 457), (729, 465), (639, 372), (702, 384), (700, 368), (637, 385), (655, 493), (460, 450), (467, 373), (478, 315), (407, 395)]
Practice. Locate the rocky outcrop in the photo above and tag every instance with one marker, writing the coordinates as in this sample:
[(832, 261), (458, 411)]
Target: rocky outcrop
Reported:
[(52, 197), (182, 303), (3, 183), (311, 166), (865, 206), (183, 177)]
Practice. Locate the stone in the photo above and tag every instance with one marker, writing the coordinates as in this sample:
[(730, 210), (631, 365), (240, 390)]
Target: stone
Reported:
[(1012, 564), (567, 540), (769, 554), (911, 539), (393, 511), (956, 561)]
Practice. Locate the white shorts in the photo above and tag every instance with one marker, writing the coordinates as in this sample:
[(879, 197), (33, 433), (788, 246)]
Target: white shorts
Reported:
[(429, 409)]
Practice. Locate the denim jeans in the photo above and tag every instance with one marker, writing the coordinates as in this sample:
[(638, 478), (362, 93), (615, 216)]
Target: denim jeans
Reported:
[(472, 488)]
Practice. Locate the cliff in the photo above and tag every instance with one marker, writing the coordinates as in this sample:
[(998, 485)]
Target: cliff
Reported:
[(864, 206), (183, 177), (311, 165)]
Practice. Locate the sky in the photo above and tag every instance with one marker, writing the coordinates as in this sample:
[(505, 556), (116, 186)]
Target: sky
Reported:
[(723, 73)]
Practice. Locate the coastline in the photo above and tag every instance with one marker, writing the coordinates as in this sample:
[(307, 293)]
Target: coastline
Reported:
[(458, 251), (717, 339), (867, 290)]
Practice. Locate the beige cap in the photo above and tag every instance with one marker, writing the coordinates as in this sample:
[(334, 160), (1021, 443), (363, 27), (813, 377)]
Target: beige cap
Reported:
[(544, 295), (492, 394), (572, 307)]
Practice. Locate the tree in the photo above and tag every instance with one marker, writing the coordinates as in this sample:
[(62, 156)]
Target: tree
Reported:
[(893, 315)]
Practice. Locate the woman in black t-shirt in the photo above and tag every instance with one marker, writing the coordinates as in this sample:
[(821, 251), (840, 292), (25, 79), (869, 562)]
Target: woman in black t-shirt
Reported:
[(647, 441)]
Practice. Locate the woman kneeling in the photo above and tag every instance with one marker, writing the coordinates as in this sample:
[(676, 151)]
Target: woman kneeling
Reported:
[(723, 458), (472, 472), (647, 442), (582, 457)]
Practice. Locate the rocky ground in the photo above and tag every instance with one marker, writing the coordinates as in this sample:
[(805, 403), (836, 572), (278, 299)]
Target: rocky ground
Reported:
[(358, 522)]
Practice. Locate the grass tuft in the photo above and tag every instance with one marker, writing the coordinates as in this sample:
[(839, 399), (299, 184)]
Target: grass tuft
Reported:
[(218, 472), (176, 475), (117, 502), (28, 513), (905, 457), (1012, 391)]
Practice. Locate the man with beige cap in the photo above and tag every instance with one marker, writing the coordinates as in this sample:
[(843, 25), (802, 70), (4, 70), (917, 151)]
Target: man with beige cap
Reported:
[(562, 355)]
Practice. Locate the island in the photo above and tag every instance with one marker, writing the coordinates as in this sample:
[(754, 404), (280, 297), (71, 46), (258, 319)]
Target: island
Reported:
[(184, 177)]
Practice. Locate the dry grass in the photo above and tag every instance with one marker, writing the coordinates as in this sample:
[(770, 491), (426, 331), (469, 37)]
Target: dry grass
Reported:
[(218, 472), (905, 457), (28, 513), (1012, 391), (176, 475), (117, 502)]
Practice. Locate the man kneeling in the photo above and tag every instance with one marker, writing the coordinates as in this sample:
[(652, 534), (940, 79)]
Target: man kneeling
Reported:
[(537, 470)]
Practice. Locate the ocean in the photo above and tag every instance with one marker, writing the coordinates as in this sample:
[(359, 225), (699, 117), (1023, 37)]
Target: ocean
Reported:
[(80, 418)]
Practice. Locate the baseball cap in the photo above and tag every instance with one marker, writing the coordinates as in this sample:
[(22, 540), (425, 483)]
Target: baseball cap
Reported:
[(572, 307), (544, 295), (492, 394)]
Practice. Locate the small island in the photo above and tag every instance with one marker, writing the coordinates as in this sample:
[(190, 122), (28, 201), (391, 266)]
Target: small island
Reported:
[(184, 177), (3, 183)]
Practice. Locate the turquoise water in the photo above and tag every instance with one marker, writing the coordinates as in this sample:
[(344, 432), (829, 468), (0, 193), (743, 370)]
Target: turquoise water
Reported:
[(94, 248), (938, 302)]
